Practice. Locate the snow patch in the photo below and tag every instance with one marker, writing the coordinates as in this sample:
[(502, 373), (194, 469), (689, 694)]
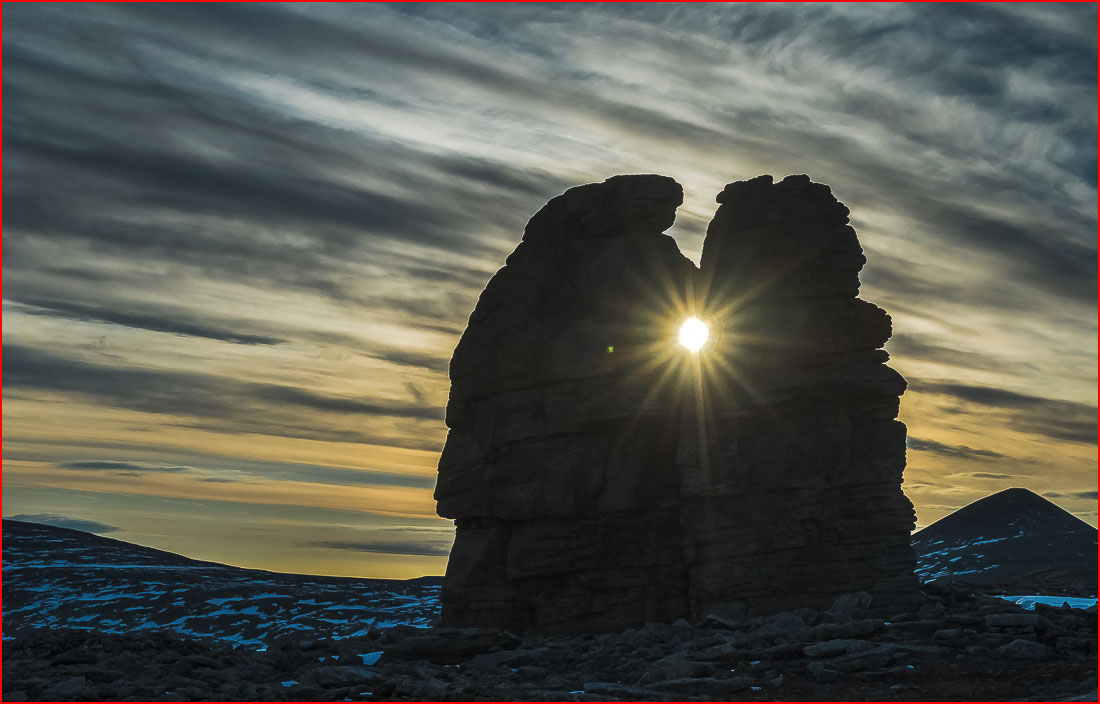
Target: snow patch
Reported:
[(1029, 601)]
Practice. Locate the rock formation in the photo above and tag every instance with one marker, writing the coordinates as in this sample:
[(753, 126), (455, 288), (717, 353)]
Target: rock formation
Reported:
[(561, 459), (791, 488), (601, 476)]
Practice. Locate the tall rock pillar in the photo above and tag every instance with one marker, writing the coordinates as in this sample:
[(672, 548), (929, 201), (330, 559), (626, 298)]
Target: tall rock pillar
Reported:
[(600, 476), (791, 461), (560, 464)]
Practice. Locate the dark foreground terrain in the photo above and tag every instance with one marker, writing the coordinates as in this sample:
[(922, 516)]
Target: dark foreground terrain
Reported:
[(87, 618), (61, 578), (958, 646)]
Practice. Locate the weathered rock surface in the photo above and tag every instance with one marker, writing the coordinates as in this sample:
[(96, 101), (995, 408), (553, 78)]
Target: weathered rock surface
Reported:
[(588, 492), (775, 658), (560, 463), (791, 493)]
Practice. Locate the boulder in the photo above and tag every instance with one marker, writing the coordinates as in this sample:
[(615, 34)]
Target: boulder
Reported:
[(1021, 649)]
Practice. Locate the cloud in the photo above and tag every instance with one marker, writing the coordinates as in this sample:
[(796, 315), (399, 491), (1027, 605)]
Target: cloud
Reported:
[(1055, 419), (238, 406), (990, 475), (531, 74), (920, 347), (54, 519), (200, 174), (415, 392), (290, 190), (130, 469), (397, 547), (1087, 495), (955, 451), (165, 321)]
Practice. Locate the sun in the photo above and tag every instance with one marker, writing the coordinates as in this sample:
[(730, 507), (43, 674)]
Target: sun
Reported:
[(694, 334)]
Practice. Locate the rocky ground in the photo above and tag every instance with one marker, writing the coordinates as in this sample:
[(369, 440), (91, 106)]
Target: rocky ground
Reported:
[(957, 646), (57, 578)]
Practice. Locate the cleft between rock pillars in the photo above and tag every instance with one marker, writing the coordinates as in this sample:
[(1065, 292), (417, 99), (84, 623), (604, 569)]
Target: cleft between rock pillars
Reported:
[(602, 476)]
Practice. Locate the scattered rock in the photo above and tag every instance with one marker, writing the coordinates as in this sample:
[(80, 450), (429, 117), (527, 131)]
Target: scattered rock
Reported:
[(780, 625), (617, 690), (822, 673), (832, 648), (863, 659), (1017, 620), (710, 687), (675, 668), (1021, 649), (636, 664), (342, 675), (1075, 643), (66, 689), (849, 607), (850, 629), (448, 646)]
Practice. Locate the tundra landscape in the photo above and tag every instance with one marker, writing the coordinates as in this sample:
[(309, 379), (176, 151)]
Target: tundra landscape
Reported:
[(549, 352)]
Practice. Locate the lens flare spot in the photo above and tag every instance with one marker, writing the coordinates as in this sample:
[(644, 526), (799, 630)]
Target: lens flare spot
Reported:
[(694, 334)]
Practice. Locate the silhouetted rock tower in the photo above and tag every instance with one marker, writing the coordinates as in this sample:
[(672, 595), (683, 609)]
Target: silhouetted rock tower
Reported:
[(602, 476)]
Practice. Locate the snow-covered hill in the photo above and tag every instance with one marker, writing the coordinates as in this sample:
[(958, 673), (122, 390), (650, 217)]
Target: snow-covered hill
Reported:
[(56, 577), (1015, 542)]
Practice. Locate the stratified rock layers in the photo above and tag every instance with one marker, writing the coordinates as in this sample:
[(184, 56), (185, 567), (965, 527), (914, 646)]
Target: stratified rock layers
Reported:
[(600, 477), (560, 465), (791, 489)]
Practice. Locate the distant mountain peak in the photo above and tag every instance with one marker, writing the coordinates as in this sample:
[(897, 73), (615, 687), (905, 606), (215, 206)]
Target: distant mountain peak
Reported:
[(1017, 493), (1010, 505), (1014, 538)]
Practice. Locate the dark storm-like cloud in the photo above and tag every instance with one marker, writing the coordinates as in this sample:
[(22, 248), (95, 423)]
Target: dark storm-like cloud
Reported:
[(318, 402), (1048, 256), (395, 547), (990, 475), (278, 177), (53, 519), (483, 172), (913, 346), (276, 174), (191, 184), (416, 437), (131, 468), (229, 468), (237, 405), (1085, 495), (370, 36), (173, 321), (1056, 419), (176, 392), (955, 451), (164, 322), (411, 358), (385, 157)]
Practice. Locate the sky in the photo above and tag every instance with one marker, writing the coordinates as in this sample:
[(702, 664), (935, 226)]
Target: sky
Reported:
[(242, 240)]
